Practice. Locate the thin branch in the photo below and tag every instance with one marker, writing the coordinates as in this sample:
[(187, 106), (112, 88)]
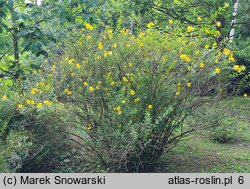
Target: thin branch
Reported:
[(8, 50)]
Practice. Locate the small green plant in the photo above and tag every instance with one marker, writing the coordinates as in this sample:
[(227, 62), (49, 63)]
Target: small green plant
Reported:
[(227, 129), (15, 151)]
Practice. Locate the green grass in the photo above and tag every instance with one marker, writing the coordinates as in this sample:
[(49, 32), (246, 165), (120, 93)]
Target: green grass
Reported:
[(200, 154)]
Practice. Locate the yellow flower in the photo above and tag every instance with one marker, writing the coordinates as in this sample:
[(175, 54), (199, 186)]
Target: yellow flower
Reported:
[(73, 74), (99, 57), (91, 89), (32, 102), (105, 53), (100, 46), (34, 91), (88, 26), (125, 79), (19, 106), (71, 61), (207, 31), (4, 98), (85, 83), (178, 84), (189, 84), (39, 105), (48, 103), (110, 31), (123, 101), (66, 90), (183, 56), (150, 24), (141, 44), (130, 65), (170, 21), (110, 53), (178, 93), (28, 102), (118, 108), (206, 46), (136, 100), (236, 67), (199, 19), (190, 28), (132, 92), (114, 45), (227, 52), (217, 70), (124, 31), (217, 33), (202, 65), (141, 35), (218, 24), (245, 95), (231, 59), (78, 66), (150, 106), (187, 59), (215, 44)]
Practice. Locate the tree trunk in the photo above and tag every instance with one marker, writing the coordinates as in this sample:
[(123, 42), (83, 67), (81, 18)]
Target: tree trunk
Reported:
[(14, 33), (16, 48), (235, 11)]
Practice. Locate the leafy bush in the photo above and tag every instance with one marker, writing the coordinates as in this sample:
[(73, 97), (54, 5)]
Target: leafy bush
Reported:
[(125, 97), (14, 151), (228, 130), (129, 95), (30, 140), (225, 123)]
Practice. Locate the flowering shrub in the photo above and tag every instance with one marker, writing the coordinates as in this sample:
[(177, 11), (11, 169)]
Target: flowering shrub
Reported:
[(128, 95)]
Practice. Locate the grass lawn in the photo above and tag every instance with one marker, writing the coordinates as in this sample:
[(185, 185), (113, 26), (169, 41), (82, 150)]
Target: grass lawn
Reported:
[(199, 154)]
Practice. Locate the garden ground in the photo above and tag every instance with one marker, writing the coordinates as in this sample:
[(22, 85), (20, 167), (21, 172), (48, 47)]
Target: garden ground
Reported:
[(199, 154)]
